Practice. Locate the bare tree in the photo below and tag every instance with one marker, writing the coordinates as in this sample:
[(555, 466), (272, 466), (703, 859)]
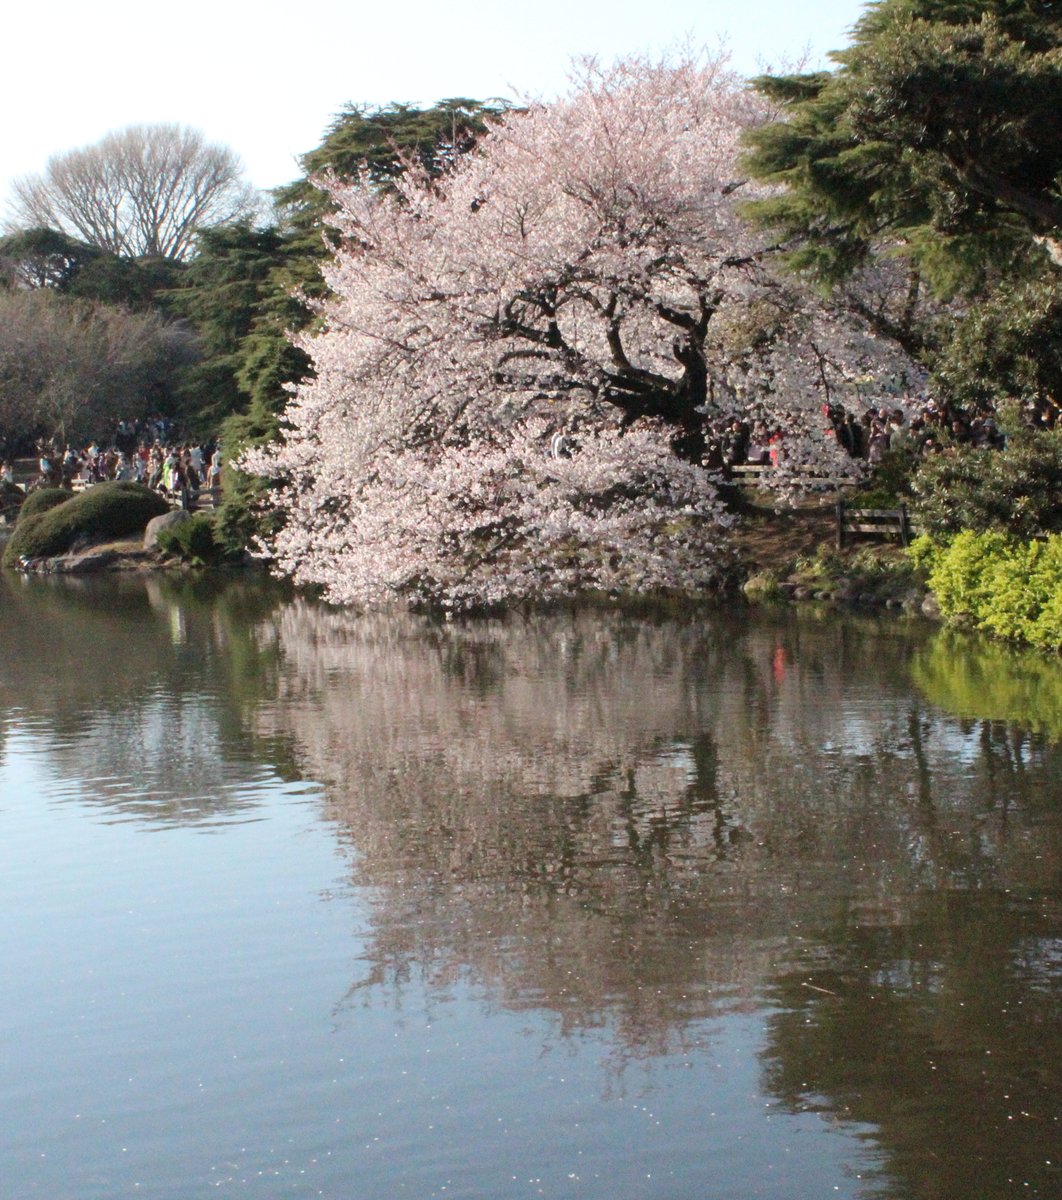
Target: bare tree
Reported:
[(139, 191), (69, 369)]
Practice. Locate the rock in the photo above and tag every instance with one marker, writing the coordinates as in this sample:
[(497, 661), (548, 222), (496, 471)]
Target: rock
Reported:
[(85, 563), (911, 601), (167, 521), (930, 607), (801, 593)]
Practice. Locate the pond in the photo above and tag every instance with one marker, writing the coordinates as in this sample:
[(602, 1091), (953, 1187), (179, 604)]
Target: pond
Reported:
[(615, 905)]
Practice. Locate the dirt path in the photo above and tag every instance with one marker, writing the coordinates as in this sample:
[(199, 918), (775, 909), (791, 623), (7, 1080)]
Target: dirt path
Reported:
[(767, 540)]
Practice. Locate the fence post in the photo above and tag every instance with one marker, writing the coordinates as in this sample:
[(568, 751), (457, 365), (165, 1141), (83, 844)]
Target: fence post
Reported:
[(905, 527), (840, 524)]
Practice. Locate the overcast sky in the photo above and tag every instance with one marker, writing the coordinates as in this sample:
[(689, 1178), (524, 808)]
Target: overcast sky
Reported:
[(265, 78)]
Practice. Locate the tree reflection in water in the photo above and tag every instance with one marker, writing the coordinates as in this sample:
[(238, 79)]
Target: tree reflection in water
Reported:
[(640, 823), (635, 823), (138, 691)]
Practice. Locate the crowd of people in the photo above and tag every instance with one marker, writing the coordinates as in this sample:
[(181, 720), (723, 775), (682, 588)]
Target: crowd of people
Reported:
[(148, 453), (140, 452), (925, 429)]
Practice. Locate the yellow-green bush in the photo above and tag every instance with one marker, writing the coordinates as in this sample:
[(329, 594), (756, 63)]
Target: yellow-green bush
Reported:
[(1004, 585)]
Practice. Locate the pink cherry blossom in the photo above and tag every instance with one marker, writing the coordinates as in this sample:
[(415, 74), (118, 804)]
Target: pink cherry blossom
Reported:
[(584, 272)]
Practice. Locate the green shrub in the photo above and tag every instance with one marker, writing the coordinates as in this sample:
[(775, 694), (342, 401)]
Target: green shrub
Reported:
[(925, 552), (11, 498), (960, 575), (889, 485), (108, 510), (1017, 490), (195, 541), (42, 500), (880, 573), (1003, 585), (872, 497)]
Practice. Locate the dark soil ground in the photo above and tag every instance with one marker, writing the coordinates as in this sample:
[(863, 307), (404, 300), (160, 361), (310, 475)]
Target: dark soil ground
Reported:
[(770, 541)]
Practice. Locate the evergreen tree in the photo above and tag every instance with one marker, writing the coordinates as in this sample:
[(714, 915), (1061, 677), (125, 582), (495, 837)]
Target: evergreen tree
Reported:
[(48, 258), (940, 132), (228, 293), (384, 141), (937, 140)]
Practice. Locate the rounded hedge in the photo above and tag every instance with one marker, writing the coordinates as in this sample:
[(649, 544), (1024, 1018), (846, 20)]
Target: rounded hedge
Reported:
[(42, 500), (102, 512)]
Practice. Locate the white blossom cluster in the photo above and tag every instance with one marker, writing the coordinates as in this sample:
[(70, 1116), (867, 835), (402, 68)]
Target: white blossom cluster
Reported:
[(576, 275)]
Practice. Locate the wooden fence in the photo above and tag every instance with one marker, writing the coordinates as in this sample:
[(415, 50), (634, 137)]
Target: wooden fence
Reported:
[(872, 522), (767, 473)]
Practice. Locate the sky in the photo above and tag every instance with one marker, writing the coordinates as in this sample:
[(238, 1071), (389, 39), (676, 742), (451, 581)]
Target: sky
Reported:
[(266, 78)]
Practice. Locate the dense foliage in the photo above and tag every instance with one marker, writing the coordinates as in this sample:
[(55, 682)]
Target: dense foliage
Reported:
[(195, 542), (383, 141), (229, 292), (937, 142), (939, 130), (999, 584), (1015, 491)]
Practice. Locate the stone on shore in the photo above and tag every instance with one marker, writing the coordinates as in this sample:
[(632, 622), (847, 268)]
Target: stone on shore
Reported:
[(167, 521)]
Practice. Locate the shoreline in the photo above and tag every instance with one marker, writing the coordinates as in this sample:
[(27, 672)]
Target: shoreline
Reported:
[(787, 557)]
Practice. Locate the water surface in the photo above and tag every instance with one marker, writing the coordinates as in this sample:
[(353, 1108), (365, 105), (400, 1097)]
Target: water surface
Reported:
[(591, 904)]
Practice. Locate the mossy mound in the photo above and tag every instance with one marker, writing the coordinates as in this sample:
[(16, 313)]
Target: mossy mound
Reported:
[(103, 512), (43, 500)]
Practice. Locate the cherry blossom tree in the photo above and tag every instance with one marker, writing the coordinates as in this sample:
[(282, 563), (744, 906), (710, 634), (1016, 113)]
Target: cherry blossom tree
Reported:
[(513, 380)]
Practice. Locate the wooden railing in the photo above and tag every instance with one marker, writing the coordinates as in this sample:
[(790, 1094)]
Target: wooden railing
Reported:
[(873, 522), (765, 473)]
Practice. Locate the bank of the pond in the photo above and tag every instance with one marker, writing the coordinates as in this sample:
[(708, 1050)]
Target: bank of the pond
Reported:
[(110, 526), (786, 555), (793, 555)]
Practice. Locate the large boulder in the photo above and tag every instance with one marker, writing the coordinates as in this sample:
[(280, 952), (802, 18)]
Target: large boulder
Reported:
[(167, 521)]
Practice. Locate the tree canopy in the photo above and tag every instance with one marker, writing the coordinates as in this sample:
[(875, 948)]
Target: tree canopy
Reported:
[(940, 129), (70, 369), (142, 191), (383, 141), (585, 273), (937, 141)]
